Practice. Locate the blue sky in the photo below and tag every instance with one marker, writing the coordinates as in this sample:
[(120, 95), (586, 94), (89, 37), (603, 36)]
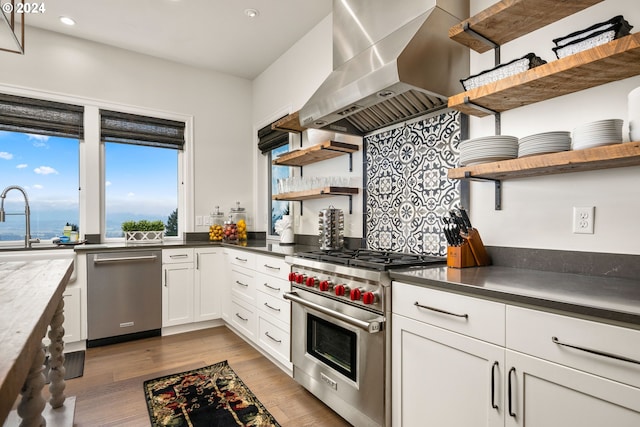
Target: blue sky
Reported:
[(140, 181)]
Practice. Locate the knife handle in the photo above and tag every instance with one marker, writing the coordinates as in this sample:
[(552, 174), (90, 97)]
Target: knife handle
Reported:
[(465, 217)]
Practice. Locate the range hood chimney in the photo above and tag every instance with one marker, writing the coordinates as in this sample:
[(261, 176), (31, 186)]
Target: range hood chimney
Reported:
[(393, 61)]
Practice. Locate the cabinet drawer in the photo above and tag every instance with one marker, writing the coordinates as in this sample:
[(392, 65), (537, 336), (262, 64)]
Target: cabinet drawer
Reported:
[(172, 256), (243, 318), (273, 266), (274, 339), (470, 316), (242, 258), (532, 331), (277, 308), (271, 285), (243, 284)]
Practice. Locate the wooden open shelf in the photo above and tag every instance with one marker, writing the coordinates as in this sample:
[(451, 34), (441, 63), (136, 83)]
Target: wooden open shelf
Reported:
[(316, 193), (609, 156), (616, 60), (317, 153), (510, 19), (290, 123)]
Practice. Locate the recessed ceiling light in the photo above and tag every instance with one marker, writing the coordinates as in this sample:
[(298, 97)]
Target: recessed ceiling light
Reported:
[(252, 13), (67, 21)]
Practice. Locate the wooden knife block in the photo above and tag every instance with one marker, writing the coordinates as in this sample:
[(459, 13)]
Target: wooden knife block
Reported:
[(460, 256), (471, 253)]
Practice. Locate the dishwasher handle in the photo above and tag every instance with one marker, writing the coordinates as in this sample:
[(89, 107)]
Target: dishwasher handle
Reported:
[(124, 259)]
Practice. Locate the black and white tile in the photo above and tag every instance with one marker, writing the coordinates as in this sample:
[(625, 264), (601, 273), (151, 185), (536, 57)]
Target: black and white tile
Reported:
[(407, 189)]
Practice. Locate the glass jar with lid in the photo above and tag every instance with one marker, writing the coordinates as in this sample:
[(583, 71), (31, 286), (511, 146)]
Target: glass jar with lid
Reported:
[(216, 229), (230, 230), (239, 217)]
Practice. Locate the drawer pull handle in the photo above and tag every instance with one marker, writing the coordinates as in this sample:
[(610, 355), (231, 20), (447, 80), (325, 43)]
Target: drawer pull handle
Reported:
[(271, 267), (272, 338), (597, 352), (272, 308), (241, 318), (179, 256), (272, 288), (241, 259), (493, 385), (417, 304), (511, 413), (242, 284)]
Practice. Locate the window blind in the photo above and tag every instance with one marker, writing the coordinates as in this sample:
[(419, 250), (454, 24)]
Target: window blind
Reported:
[(269, 139), (141, 130), (37, 116)]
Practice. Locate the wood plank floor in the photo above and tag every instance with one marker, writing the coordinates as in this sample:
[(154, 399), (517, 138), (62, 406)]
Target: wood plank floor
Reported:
[(110, 391)]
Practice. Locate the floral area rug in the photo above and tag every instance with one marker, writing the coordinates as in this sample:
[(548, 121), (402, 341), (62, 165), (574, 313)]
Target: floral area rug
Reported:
[(213, 396)]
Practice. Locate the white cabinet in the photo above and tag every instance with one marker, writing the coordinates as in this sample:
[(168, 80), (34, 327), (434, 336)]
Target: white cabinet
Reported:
[(274, 312), (177, 286), (209, 282), (565, 372), (192, 285), (547, 370), (257, 310), (442, 373), (241, 313), (72, 314)]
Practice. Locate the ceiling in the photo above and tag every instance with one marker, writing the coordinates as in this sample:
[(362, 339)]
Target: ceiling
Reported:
[(210, 34)]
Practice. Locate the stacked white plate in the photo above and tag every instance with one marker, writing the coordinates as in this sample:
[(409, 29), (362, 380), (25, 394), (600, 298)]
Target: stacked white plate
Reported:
[(488, 149), (595, 134), (542, 143)]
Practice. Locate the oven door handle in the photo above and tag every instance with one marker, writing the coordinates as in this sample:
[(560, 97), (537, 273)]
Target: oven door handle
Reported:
[(372, 326)]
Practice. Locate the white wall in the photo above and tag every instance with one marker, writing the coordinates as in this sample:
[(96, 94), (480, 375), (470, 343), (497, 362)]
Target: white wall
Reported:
[(283, 88), (220, 104), (537, 212)]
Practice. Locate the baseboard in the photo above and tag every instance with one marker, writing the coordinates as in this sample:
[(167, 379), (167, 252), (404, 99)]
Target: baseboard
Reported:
[(189, 327)]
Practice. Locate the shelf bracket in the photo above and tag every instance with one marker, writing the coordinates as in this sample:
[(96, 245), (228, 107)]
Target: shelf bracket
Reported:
[(493, 45), (498, 188), (479, 107)]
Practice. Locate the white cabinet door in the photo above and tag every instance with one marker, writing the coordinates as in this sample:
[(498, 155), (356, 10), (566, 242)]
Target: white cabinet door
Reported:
[(72, 311), (209, 281), (442, 378), (177, 294), (545, 394)]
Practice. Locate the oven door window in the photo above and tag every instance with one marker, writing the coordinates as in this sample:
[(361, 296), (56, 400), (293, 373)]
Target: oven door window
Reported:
[(333, 345)]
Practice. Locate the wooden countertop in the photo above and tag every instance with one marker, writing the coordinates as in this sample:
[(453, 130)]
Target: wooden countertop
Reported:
[(29, 295)]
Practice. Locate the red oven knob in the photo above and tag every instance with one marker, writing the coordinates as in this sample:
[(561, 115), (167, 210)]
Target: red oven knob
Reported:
[(292, 276), (368, 298), (325, 286), (300, 278), (355, 294), (311, 281), (340, 290)]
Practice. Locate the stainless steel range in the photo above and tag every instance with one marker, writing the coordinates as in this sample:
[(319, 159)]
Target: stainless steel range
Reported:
[(340, 347)]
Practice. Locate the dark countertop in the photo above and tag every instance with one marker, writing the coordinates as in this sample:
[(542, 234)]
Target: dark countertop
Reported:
[(607, 299), (265, 247)]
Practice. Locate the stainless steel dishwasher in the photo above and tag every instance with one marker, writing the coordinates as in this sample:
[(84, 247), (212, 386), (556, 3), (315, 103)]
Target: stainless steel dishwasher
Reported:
[(124, 296)]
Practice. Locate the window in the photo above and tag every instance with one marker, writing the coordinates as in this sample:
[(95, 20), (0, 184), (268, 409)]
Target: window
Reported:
[(39, 152), (273, 143), (141, 182), (278, 208), (46, 167), (142, 170)]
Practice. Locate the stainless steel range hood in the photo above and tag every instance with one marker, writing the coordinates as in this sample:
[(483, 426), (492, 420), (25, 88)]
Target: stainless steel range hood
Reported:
[(392, 60)]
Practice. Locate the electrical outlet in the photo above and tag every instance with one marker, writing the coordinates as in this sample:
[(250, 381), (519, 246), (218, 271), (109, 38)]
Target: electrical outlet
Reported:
[(206, 220), (198, 219), (583, 219)]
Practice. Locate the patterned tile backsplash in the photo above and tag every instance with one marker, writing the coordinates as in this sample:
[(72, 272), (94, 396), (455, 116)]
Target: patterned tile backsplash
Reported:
[(407, 190)]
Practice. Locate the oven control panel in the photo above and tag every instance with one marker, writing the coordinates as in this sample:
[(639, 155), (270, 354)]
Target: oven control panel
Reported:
[(348, 289)]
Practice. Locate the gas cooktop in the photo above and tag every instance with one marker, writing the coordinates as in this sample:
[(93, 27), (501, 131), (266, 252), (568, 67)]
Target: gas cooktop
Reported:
[(376, 260)]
